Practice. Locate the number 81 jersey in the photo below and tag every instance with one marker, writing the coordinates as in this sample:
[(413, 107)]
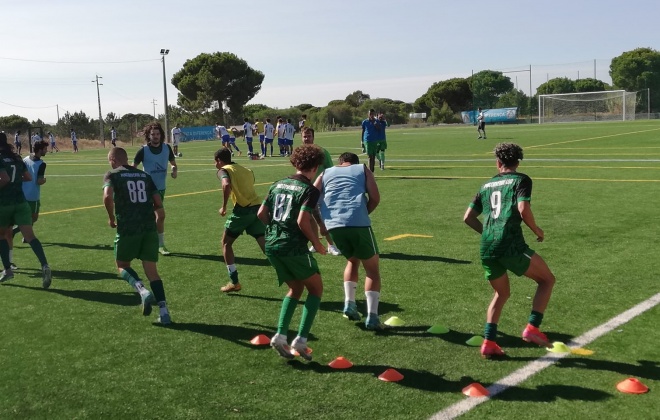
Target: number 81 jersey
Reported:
[(498, 201), (285, 200), (133, 190)]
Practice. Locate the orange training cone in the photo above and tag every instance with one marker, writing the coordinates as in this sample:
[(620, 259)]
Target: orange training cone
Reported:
[(475, 390), (260, 340), (340, 363), (632, 386), (390, 375), (295, 352)]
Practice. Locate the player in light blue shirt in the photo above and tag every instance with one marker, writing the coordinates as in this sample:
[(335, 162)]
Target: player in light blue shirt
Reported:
[(247, 130)]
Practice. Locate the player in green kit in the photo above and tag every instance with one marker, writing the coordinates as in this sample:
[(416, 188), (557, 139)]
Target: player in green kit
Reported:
[(15, 210), (287, 211), (133, 202), (504, 202)]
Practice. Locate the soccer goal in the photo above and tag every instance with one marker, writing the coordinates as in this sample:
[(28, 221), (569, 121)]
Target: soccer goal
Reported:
[(611, 105)]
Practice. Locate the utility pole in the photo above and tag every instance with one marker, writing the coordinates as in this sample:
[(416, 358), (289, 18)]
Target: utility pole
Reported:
[(153, 101), (98, 94), (164, 52)]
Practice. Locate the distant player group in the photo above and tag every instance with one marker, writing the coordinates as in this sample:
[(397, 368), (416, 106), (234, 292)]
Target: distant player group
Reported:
[(335, 201)]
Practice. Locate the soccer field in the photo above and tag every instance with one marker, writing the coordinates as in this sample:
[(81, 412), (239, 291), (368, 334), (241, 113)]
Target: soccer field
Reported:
[(82, 350)]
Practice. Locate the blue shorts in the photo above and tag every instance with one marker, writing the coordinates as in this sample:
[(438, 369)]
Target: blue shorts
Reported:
[(232, 140), (288, 142), (225, 138), (280, 141), (261, 138), (267, 141), (248, 139)]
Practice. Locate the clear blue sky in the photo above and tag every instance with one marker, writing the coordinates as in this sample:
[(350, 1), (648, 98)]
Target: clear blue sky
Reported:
[(310, 51)]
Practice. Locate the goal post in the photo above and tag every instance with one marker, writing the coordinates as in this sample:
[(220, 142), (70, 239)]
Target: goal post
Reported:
[(610, 105)]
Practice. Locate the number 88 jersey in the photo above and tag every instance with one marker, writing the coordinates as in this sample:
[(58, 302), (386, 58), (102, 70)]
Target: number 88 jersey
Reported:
[(133, 192)]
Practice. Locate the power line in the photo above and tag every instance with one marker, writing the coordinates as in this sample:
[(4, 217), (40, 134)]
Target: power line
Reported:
[(28, 107), (77, 62)]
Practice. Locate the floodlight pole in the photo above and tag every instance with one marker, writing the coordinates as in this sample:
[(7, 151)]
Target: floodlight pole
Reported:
[(98, 94), (164, 52)]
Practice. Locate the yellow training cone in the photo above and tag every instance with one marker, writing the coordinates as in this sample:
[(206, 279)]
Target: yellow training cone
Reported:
[(394, 321), (438, 329), (559, 347)]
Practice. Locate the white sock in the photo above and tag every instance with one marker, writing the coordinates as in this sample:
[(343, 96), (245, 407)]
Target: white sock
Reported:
[(231, 268), (300, 339), (372, 301), (161, 239), (349, 291), (163, 308), (11, 255), (139, 287)]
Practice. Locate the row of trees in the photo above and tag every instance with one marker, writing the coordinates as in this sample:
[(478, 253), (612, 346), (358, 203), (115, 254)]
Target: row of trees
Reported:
[(216, 88)]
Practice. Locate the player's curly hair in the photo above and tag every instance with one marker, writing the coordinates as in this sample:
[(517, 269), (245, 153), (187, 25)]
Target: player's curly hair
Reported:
[(510, 154), (307, 156), (40, 145), (154, 125)]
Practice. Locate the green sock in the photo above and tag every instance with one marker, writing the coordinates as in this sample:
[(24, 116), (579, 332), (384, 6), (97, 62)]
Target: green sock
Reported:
[(535, 318), (130, 276), (38, 251), (312, 304), (286, 313), (490, 332), (381, 156)]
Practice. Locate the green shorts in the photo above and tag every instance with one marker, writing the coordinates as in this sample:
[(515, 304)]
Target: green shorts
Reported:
[(35, 206), (16, 214), (300, 267), (143, 246), (358, 242), (495, 268), (244, 219), (373, 147)]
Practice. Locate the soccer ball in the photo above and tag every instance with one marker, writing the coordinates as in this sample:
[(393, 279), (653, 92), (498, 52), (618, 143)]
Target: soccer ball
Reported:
[(180, 155)]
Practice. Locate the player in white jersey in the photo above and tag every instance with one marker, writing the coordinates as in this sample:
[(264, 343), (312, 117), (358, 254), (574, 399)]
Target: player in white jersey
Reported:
[(53, 145), (280, 135), (113, 136), (247, 132), (223, 134), (289, 133), (269, 135), (74, 141), (177, 136), (17, 141)]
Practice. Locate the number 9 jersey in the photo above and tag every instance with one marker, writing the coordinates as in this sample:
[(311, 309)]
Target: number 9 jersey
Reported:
[(133, 192), (498, 200)]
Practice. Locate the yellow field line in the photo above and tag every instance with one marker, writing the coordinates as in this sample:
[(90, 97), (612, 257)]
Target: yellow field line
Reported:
[(407, 235), (535, 178)]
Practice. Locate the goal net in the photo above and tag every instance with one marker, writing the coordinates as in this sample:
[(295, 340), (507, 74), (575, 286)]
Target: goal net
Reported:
[(611, 105)]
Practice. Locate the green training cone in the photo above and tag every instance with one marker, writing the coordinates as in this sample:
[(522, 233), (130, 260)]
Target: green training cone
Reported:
[(394, 321), (438, 329), (475, 341)]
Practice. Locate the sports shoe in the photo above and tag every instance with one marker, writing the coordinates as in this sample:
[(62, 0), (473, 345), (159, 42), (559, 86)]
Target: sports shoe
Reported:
[(491, 349), (333, 250), (163, 251), (165, 319), (485, 137), (6, 275), (479, 137), (147, 302), (312, 249), (13, 266), (278, 342), (531, 334), (240, 153), (373, 323), (301, 347), (47, 276), (351, 312), (231, 287)]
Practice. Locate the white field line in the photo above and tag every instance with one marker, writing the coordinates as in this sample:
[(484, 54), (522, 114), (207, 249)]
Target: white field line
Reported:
[(541, 363)]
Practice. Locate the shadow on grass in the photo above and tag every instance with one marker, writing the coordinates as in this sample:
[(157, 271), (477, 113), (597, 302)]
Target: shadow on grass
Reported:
[(431, 258), (551, 393), (235, 334), (111, 298), (87, 275), (646, 369), (418, 379), (99, 247), (238, 260)]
